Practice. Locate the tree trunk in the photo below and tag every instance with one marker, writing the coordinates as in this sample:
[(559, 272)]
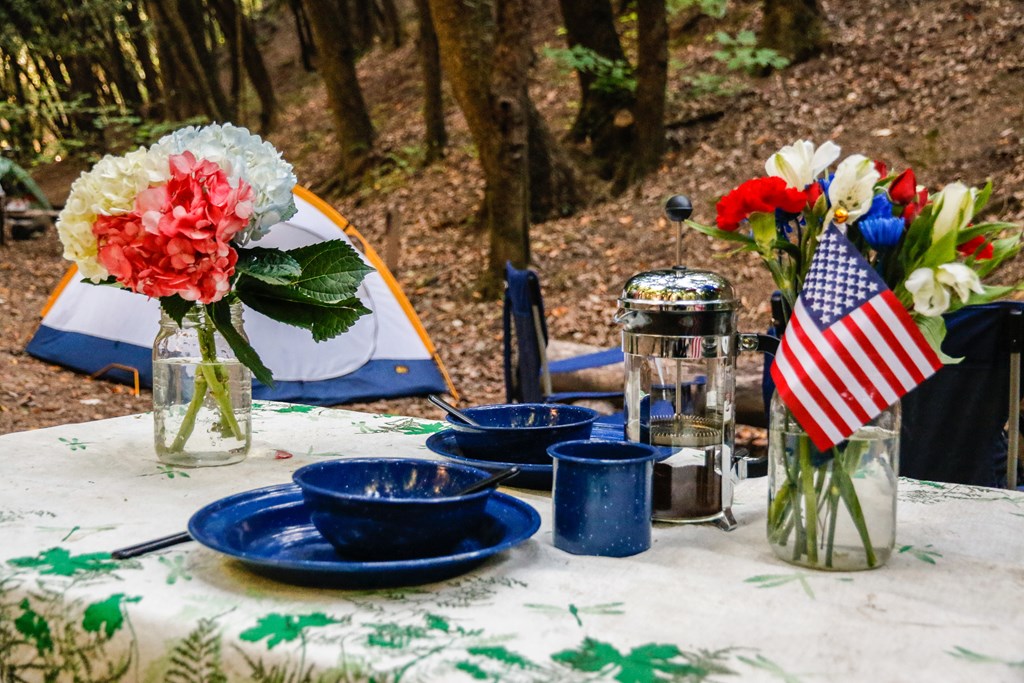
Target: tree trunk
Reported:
[(238, 31), (141, 41), (304, 33), (193, 25), (182, 62), (390, 24), (591, 25), (793, 28), (651, 78), (433, 103), (336, 64), (360, 18), (510, 190)]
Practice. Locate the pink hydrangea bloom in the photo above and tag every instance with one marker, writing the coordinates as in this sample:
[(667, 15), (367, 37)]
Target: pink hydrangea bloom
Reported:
[(177, 238)]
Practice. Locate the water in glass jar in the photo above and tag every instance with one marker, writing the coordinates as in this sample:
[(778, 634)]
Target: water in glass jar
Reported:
[(870, 458), (207, 430)]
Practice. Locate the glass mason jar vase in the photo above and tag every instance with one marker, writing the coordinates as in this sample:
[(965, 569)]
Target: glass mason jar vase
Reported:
[(202, 394), (836, 509)]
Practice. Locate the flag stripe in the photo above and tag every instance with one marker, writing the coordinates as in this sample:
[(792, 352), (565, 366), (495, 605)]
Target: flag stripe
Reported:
[(909, 336), (810, 392), (838, 403), (880, 354), (849, 379), (803, 412), (890, 351), (886, 387)]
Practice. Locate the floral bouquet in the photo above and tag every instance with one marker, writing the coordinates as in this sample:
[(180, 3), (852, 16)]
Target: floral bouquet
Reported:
[(925, 248), (176, 222)]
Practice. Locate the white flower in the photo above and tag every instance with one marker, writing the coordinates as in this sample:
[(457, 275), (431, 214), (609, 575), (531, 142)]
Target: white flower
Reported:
[(801, 163), (246, 156), (955, 204), (930, 297), (108, 189), (961, 279), (852, 189), (932, 289)]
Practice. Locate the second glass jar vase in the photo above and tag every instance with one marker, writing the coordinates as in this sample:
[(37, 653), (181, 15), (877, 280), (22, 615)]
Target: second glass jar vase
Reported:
[(836, 509), (202, 394)]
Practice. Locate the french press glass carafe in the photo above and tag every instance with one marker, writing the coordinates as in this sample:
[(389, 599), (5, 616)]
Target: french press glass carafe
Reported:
[(680, 345)]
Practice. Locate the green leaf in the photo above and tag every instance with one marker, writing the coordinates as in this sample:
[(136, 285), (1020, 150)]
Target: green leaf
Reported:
[(934, 330), (991, 293), (106, 615), (60, 562), (591, 657), (272, 266), (279, 628), (503, 655), (331, 271), (176, 307), (323, 320), (765, 232), (940, 252), (731, 236), (35, 628), (220, 314), (982, 198)]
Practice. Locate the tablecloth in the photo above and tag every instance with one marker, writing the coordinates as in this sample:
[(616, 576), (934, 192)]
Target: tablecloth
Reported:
[(701, 605)]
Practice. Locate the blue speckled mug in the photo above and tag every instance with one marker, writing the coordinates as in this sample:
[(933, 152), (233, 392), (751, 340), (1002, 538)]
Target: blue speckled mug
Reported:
[(602, 497)]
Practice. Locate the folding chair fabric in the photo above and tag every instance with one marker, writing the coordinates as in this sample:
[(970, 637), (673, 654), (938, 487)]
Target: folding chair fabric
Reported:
[(525, 333), (953, 423)]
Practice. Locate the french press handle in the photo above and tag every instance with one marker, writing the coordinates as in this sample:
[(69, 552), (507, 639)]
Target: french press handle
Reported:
[(761, 343)]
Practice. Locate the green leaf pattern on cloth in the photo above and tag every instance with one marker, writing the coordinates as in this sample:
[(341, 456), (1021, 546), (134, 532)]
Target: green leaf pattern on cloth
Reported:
[(62, 563)]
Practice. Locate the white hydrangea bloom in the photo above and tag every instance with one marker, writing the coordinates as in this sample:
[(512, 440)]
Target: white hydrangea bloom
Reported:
[(108, 189), (242, 155), (801, 163)]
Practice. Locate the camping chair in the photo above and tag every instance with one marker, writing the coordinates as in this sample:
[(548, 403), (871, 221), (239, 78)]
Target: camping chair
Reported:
[(527, 369), (953, 423)]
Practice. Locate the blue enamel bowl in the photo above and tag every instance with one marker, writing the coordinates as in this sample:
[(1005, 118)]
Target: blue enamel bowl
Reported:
[(380, 509), (520, 432)]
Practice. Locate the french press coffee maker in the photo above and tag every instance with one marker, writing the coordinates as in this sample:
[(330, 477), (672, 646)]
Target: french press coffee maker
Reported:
[(680, 344)]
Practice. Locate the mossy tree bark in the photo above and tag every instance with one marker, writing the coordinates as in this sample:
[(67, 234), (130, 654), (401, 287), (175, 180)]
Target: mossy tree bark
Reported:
[(485, 52)]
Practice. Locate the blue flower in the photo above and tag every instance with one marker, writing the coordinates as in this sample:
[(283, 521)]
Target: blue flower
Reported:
[(879, 227)]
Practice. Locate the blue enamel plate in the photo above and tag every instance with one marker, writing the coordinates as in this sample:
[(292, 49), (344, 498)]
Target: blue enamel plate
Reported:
[(269, 530)]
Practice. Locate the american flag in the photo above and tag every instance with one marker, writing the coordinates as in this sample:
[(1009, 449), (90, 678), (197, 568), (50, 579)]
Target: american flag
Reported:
[(850, 349)]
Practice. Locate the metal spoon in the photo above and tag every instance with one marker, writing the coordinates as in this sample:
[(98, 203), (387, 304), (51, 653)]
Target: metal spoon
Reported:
[(490, 481), (452, 410)]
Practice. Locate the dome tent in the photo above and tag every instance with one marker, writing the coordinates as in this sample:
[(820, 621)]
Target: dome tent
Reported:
[(385, 354)]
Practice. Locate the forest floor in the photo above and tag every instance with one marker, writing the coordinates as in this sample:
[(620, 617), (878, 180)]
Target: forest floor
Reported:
[(931, 84)]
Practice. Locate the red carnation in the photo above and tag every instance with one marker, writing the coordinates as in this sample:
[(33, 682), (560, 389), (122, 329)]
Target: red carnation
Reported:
[(758, 195), (971, 246)]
